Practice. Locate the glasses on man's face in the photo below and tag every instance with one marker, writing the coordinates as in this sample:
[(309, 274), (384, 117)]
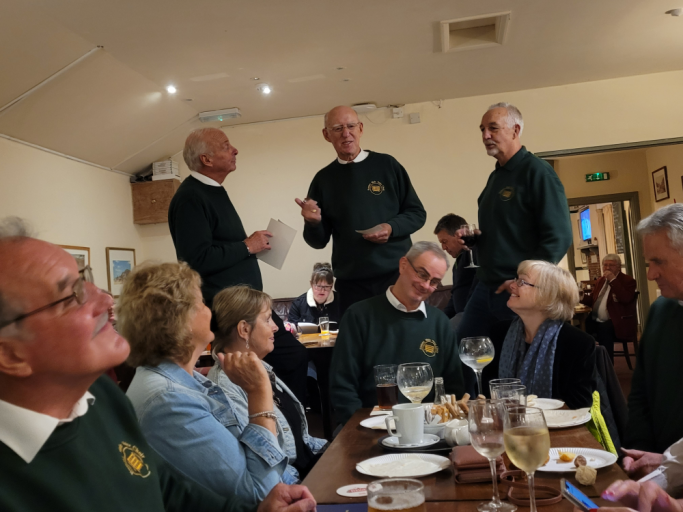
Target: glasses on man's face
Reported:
[(424, 276), (338, 128), (80, 295), (322, 288), (521, 282)]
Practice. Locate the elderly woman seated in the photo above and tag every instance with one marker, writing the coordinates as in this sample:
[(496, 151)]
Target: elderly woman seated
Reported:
[(244, 322), (552, 358), (319, 300), (185, 417)]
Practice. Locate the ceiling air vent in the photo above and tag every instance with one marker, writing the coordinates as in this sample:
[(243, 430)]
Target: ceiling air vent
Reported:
[(474, 32)]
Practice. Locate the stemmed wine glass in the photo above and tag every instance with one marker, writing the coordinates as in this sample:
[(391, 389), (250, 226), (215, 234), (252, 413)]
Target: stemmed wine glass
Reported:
[(477, 353), (486, 420), (415, 380), (527, 442), (470, 238)]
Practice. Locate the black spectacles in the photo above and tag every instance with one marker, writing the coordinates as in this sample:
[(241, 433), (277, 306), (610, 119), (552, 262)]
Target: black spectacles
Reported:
[(424, 276), (338, 128), (80, 295), (521, 282), (322, 288)]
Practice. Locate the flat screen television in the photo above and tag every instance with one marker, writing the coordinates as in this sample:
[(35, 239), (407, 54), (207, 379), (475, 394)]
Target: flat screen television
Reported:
[(585, 217)]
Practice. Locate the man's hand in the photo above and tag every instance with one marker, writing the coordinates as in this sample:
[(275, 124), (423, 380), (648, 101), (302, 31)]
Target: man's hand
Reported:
[(288, 498), (505, 287), (637, 463), (381, 236), (645, 497), (609, 276), (310, 210), (258, 242), (246, 370)]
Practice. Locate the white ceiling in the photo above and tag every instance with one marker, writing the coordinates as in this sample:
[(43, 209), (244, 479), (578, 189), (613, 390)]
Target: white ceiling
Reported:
[(112, 109)]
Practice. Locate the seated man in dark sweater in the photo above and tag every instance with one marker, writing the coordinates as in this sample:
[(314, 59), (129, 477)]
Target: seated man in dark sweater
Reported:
[(69, 438), (394, 328)]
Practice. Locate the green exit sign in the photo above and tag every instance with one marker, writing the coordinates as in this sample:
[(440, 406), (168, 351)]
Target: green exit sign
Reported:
[(597, 176)]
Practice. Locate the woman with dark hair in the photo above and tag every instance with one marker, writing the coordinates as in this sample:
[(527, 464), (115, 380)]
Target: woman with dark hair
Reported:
[(319, 300)]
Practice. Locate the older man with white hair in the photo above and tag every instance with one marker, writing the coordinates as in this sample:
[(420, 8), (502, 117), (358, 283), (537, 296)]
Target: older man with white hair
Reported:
[(523, 215)]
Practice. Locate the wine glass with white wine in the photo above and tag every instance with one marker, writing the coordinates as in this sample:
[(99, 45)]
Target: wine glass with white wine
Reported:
[(415, 380), (527, 442), (476, 353)]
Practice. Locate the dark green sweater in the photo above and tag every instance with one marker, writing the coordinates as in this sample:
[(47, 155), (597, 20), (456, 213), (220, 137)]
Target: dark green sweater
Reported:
[(655, 405), (374, 332), (523, 215), (359, 196), (100, 462), (208, 234)]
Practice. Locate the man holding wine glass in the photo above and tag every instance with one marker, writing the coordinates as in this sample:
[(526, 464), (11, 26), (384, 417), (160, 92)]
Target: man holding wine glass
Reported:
[(394, 328)]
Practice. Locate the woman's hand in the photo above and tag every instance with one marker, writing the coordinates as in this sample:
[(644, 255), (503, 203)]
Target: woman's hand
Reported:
[(637, 463), (246, 370), (645, 497)]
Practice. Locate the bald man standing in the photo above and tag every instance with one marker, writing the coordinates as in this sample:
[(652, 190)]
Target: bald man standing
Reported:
[(360, 191)]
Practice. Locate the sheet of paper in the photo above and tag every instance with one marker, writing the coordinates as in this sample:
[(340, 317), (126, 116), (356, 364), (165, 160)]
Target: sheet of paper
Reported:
[(369, 231), (280, 243)]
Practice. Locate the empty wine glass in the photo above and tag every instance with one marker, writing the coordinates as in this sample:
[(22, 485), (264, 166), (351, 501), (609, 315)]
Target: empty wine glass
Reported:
[(511, 394), (494, 383), (476, 353), (415, 380), (469, 236), (486, 419), (527, 442)]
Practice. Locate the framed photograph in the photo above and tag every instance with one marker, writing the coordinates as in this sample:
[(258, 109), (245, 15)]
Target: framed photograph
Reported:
[(120, 263), (584, 259), (80, 254), (660, 182)]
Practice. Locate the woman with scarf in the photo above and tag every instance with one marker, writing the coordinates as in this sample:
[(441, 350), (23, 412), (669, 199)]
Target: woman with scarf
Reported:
[(552, 358)]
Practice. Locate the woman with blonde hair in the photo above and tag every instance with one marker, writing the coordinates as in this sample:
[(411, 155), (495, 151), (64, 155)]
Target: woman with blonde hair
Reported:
[(319, 300), (552, 358), (243, 317), (186, 418)]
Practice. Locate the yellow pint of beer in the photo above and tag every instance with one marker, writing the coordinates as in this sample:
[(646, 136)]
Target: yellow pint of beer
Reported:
[(396, 495)]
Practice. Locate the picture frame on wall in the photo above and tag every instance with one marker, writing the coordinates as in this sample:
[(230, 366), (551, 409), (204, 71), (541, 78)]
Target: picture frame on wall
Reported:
[(584, 259), (120, 263), (80, 254), (660, 182)]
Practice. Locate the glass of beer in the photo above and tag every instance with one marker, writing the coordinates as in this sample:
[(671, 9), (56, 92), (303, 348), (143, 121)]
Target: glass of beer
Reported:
[(387, 388), (324, 323), (527, 442), (396, 495)]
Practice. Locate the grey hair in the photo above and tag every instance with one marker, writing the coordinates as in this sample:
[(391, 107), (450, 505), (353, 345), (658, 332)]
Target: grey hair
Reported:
[(612, 257), (556, 290), (14, 228), (196, 144), (668, 219), (419, 248), (514, 115)]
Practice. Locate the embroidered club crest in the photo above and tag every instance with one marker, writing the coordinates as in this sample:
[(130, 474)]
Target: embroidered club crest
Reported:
[(134, 460), (429, 348), (506, 193), (376, 187)]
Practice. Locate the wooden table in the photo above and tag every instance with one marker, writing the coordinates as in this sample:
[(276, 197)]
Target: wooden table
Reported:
[(581, 313), (354, 444), (320, 353)]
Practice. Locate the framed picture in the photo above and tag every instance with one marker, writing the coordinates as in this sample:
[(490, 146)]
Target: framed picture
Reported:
[(80, 254), (120, 262), (660, 182), (584, 259)]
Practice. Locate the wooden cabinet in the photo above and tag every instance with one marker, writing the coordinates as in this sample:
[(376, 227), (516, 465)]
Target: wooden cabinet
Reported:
[(151, 200)]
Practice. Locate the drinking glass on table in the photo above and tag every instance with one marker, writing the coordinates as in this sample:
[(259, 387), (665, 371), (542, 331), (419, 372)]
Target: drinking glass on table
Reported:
[(477, 353), (396, 495), (415, 380), (527, 442), (511, 394), (494, 383), (324, 323), (486, 420), (387, 388), (469, 236)]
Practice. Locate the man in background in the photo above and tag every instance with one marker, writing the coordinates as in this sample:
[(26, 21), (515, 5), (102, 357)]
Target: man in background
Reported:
[(360, 191)]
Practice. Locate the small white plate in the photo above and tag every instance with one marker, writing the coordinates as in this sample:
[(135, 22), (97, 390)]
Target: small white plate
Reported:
[(375, 422), (390, 465), (594, 458), (547, 404), (427, 440), (564, 418)]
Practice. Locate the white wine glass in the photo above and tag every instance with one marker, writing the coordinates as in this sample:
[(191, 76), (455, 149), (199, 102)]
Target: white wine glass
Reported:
[(527, 442), (415, 380), (476, 353), (469, 236), (486, 419)]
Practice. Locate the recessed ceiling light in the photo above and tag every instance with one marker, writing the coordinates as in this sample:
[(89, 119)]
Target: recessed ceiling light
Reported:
[(346, 79), (171, 89), (675, 12), (256, 78), (264, 89)]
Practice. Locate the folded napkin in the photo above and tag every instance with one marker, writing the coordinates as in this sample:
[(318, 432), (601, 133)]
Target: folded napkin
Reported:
[(469, 467)]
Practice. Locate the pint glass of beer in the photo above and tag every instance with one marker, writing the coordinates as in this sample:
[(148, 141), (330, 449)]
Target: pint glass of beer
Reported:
[(387, 388), (396, 495)]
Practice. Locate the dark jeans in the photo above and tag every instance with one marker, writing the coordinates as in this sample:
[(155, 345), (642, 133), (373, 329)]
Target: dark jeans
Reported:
[(603, 332), (484, 309), (354, 290)]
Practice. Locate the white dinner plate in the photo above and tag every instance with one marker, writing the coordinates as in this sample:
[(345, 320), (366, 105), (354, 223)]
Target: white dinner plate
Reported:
[(594, 458), (563, 418), (427, 440), (547, 404), (375, 422), (403, 465)]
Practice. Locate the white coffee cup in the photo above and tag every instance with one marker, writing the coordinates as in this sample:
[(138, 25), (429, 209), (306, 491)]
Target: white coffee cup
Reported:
[(457, 432), (409, 420)]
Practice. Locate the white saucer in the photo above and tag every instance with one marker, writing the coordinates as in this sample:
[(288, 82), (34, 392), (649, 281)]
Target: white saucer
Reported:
[(427, 440)]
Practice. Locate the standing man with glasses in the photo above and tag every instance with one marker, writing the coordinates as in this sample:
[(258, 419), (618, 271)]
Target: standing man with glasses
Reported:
[(393, 328), (360, 191)]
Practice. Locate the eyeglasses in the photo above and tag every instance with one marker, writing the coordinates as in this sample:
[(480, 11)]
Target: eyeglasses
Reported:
[(521, 282), (80, 295), (338, 128), (424, 276), (322, 288)]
